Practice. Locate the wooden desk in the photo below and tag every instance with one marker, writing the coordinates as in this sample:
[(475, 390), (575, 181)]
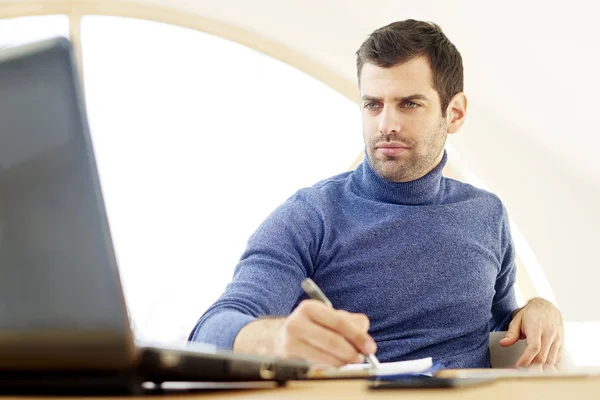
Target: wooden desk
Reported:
[(511, 389)]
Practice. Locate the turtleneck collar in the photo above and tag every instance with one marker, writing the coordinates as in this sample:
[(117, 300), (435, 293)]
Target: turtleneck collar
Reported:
[(426, 190)]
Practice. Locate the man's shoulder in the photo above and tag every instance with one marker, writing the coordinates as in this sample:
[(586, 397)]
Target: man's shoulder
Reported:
[(458, 191), (327, 187), (322, 195)]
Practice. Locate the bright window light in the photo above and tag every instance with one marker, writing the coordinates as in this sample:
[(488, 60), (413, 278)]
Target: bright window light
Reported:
[(198, 139), (581, 343)]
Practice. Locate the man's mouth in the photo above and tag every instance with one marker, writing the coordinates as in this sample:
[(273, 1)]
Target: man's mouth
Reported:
[(390, 149)]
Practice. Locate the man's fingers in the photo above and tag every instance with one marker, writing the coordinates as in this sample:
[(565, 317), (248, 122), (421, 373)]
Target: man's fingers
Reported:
[(339, 322), (535, 368), (332, 343), (532, 349), (541, 324), (320, 338), (554, 353), (513, 334), (307, 352), (550, 369), (360, 320), (546, 343), (509, 339)]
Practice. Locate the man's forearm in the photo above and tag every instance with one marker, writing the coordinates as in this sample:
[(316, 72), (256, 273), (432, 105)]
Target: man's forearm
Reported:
[(259, 337)]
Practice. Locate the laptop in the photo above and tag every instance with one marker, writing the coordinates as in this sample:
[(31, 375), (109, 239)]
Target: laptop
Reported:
[(63, 316)]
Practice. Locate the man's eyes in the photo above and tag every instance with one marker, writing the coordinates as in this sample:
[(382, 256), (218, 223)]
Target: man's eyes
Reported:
[(411, 104), (375, 106), (371, 106)]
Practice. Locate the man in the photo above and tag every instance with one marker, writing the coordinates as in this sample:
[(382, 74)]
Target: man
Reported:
[(415, 264)]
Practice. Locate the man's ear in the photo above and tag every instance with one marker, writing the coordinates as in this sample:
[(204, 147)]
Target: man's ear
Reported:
[(456, 112)]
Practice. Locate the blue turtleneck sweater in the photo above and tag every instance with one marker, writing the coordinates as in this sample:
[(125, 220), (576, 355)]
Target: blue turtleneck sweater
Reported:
[(430, 262)]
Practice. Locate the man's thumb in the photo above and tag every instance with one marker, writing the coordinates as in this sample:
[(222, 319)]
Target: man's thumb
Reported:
[(512, 335)]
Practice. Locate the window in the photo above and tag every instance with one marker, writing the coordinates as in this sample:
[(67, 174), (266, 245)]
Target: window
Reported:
[(192, 135)]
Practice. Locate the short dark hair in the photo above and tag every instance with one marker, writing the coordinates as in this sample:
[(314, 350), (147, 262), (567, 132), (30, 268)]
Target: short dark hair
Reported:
[(401, 41)]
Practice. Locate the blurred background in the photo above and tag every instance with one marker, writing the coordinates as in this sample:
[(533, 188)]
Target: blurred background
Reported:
[(206, 115)]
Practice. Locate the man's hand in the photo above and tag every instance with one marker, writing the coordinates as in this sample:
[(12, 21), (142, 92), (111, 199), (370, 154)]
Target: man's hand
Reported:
[(313, 332), (541, 324)]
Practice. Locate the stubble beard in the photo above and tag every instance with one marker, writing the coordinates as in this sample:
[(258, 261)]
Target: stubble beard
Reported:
[(415, 162)]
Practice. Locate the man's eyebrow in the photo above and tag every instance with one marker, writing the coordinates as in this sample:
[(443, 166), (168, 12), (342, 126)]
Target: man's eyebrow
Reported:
[(396, 99)]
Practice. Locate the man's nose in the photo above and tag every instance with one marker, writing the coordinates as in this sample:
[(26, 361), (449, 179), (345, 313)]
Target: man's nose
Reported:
[(389, 121)]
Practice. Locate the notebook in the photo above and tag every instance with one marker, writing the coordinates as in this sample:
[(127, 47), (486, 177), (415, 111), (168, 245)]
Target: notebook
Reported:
[(421, 366)]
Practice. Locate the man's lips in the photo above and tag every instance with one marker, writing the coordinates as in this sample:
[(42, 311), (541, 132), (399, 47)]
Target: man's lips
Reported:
[(390, 149)]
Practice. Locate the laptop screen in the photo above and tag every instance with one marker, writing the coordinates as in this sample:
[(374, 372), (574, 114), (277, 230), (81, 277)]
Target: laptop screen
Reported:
[(57, 267)]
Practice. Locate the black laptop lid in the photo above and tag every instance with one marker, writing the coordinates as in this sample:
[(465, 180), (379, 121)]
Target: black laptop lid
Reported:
[(61, 303)]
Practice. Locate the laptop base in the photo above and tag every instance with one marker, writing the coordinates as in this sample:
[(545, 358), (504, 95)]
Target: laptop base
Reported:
[(69, 383)]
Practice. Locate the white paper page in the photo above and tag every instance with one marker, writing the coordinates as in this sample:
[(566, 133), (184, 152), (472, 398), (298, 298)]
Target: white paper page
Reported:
[(393, 368)]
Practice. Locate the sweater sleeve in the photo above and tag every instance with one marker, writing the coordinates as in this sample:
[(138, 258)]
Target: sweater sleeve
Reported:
[(266, 281), (504, 302)]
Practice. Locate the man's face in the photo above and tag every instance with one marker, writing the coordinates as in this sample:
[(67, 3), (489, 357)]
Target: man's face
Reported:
[(403, 127)]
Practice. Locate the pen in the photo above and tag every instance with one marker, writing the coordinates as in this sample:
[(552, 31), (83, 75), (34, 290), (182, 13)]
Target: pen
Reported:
[(315, 293)]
